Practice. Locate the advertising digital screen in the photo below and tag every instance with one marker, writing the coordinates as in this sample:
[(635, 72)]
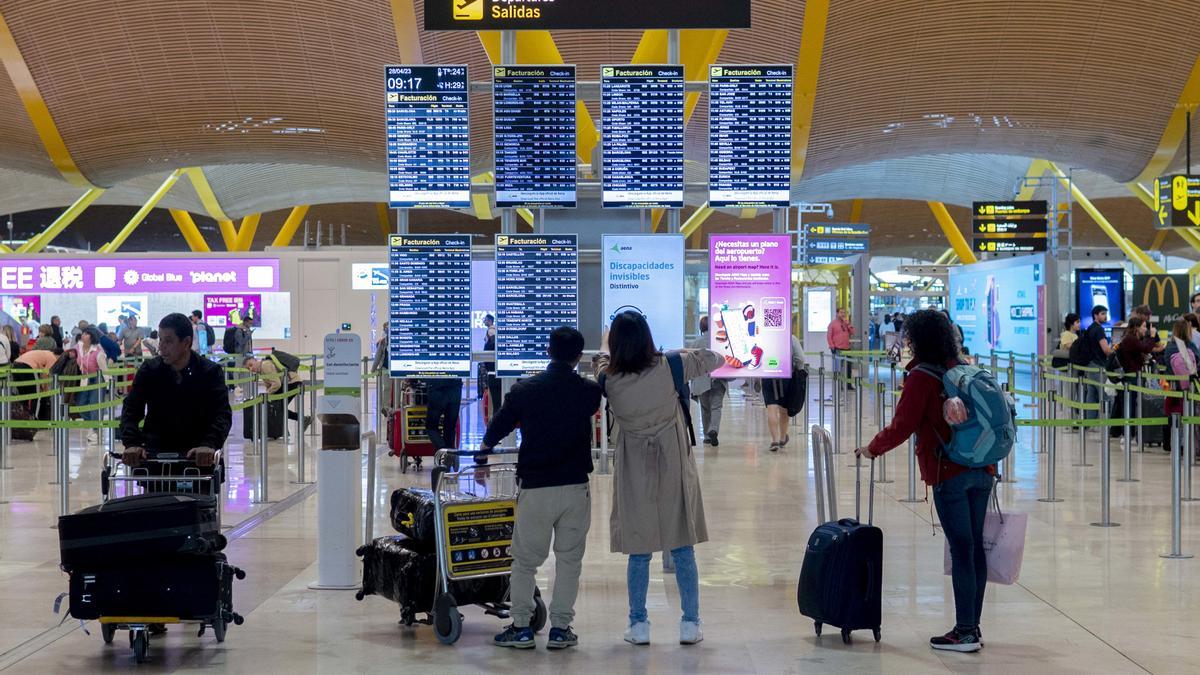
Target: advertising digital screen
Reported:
[(1100, 287), (429, 305), (24, 310), (110, 309), (138, 275), (750, 304), (222, 311), (428, 144), (483, 300), (642, 130), (537, 290), (750, 136), (1000, 305), (534, 133), (644, 273)]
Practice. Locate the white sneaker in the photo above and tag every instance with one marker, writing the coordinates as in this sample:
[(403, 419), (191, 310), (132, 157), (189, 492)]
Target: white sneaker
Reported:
[(638, 633), (690, 633)]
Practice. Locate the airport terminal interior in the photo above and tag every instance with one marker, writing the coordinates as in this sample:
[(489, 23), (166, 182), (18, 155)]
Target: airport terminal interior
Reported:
[(330, 330)]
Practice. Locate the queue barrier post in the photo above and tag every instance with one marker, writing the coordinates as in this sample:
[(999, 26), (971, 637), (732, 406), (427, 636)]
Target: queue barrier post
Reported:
[(1051, 473), (837, 415), (301, 451), (1176, 498), (1083, 431), (312, 393), (1189, 448), (1105, 471), (879, 394), (56, 414), (1127, 439), (1141, 407), (821, 394), (366, 381), (5, 435), (858, 417), (369, 517)]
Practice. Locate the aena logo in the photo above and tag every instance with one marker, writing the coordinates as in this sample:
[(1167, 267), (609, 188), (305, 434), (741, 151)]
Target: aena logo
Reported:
[(467, 10)]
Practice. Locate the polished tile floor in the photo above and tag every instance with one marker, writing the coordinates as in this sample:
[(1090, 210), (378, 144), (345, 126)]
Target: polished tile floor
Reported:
[(1089, 599)]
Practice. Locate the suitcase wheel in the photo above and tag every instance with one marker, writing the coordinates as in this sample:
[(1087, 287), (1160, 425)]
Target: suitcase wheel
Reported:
[(359, 596), (219, 630), (140, 642), (108, 631), (877, 635), (846, 639), (538, 622), (239, 573), (817, 627), (447, 622)]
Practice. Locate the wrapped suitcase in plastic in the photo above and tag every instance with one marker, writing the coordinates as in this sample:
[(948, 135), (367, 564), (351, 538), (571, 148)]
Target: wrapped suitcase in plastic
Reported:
[(187, 588), (413, 514), (139, 527)]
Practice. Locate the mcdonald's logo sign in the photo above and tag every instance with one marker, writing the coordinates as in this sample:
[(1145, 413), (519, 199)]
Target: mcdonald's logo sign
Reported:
[(1161, 284), (1166, 294)]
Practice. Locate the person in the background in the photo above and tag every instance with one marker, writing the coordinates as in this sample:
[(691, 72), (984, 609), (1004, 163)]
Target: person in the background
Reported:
[(93, 362), (57, 333), (711, 392), (45, 340), (1194, 320), (1070, 331), (1195, 303), (108, 342), (381, 351), (272, 373), (150, 345), (838, 337), (244, 338), (441, 418), (1132, 352), (489, 345), (131, 338), (1182, 359), (962, 339), (1151, 337), (205, 335), (776, 393), (10, 336)]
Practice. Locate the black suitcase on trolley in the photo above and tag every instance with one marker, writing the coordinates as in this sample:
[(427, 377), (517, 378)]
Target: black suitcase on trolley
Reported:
[(413, 514), (189, 587), (841, 582), (138, 527), (275, 418), (1153, 434)]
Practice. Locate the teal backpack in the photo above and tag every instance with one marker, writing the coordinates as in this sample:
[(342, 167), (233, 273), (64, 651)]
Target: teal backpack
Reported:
[(988, 435)]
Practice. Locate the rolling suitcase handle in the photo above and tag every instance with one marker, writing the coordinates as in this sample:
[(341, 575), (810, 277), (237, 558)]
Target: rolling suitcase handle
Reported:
[(858, 492)]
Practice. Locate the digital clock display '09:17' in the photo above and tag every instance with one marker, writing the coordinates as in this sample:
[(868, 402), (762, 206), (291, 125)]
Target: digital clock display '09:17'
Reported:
[(428, 136)]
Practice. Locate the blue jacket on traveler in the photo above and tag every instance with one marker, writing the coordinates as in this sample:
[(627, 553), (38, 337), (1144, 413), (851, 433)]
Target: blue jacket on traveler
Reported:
[(555, 409)]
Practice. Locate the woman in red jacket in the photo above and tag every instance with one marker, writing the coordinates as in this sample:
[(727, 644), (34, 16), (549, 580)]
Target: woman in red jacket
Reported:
[(959, 493)]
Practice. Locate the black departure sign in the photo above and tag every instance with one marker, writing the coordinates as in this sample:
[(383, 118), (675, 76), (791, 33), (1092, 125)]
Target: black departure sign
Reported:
[(537, 290), (584, 14), (534, 134), (750, 136), (1018, 209), (1011, 245), (428, 144), (429, 305), (642, 130)]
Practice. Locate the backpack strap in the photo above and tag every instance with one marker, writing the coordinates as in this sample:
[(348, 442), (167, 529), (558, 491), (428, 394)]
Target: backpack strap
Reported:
[(675, 362)]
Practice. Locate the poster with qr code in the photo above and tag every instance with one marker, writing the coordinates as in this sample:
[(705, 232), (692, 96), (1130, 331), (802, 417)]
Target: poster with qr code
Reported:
[(750, 307)]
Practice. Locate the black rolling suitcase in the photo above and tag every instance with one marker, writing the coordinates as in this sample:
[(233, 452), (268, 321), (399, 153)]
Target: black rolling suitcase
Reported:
[(276, 414), (1153, 434), (413, 514), (138, 527), (188, 588), (841, 582)]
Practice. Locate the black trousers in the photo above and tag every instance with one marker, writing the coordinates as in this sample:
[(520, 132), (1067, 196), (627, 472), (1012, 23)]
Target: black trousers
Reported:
[(38, 408), (441, 417), (292, 414)]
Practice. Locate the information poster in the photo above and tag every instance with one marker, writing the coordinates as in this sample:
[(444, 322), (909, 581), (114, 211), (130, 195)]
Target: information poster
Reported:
[(534, 134), (429, 305), (1100, 287), (644, 273), (428, 144), (642, 131), (750, 311), (999, 305), (110, 309), (750, 136), (222, 311), (537, 290)]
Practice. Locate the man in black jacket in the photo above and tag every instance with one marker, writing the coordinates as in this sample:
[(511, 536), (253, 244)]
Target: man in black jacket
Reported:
[(555, 410), (182, 398)]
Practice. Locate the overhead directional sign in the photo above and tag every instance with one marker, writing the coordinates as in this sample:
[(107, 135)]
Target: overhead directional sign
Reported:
[(1020, 209), (584, 14), (838, 229), (1178, 200), (1011, 245)]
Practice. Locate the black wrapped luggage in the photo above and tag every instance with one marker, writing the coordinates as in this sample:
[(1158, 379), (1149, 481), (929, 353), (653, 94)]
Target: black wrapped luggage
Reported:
[(187, 588), (139, 527), (413, 514)]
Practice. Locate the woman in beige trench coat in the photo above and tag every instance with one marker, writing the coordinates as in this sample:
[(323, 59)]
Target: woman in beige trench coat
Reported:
[(656, 489)]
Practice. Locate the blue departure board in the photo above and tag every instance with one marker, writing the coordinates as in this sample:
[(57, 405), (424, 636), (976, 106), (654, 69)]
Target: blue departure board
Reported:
[(429, 305), (537, 290), (534, 132), (750, 136), (642, 130), (428, 144)]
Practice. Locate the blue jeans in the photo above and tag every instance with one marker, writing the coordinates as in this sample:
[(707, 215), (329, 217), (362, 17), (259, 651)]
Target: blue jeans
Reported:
[(686, 576), (88, 398), (1091, 392), (961, 505)]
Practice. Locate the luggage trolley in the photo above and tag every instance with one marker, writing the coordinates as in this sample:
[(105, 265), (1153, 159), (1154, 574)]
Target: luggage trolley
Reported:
[(178, 475), (475, 513)]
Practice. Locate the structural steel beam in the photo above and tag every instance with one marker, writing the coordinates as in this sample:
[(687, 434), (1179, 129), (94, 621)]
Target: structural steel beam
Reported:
[(229, 234), (953, 234), (205, 192), (43, 239), (245, 235), (946, 257), (693, 223), (35, 107), (808, 67), (191, 233), (1173, 135), (1036, 168), (537, 46), (480, 201), (856, 208), (1158, 240), (288, 231), (140, 215), (404, 17), (385, 225), (1127, 247)]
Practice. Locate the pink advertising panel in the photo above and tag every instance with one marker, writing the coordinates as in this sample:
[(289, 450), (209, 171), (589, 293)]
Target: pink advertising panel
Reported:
[(222, 311), (750, 311)]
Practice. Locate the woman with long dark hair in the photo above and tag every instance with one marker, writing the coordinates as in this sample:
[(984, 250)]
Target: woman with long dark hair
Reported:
[(960, 493), (657, 504)]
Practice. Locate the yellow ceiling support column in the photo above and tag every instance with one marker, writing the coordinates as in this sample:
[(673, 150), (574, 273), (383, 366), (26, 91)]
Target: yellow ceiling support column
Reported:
[(404, 17), (245, 235), (35, 107), (856, 208), (385, 225), (5, 249), (1158, 240), (808, 67), (140, 215), (288, 231), (953, 234), (946, 257), (1172, 137), (205, 192), (480, 201), (1036, 169), (1127, 247), (693, 223), (41, 241), (191, 233), (229, 234)]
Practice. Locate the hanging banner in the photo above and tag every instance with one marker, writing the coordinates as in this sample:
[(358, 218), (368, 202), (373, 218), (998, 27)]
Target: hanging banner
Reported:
[(644, 273), (750, 311)]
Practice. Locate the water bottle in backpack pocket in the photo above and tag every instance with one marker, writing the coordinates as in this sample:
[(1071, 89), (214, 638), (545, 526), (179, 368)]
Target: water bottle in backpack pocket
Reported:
[(988, 435)]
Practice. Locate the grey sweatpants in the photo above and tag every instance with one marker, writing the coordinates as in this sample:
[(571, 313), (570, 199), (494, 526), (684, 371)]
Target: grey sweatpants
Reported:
[(566, 512), (710, 407)]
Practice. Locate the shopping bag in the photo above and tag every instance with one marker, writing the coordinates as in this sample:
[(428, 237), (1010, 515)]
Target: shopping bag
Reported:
[(1003, 544)]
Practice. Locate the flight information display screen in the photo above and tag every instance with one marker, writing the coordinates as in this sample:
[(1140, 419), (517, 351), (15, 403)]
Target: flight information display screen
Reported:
[(537, 290), (429, 305), (750, 136), (534, 133), (428, 144), (642, 130)]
